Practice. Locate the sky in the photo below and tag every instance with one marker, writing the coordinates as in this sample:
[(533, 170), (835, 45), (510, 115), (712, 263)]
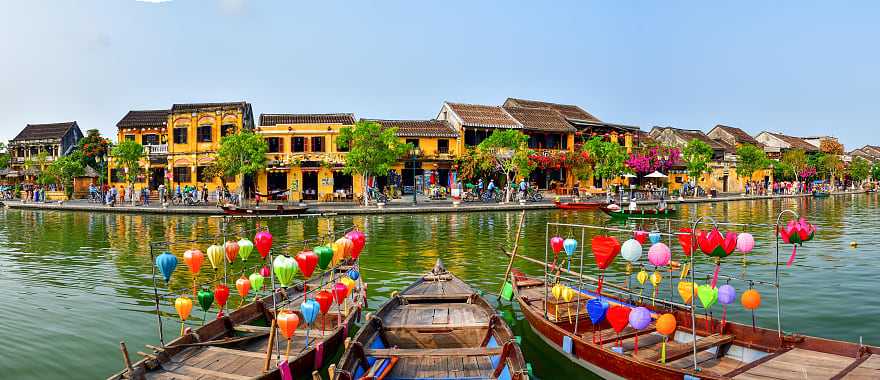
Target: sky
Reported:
[(799, 67)]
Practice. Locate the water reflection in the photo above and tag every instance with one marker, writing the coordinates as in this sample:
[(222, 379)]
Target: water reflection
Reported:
[(80, 282)]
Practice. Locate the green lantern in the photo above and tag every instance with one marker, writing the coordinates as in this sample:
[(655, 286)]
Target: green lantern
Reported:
[(285, 269), (325, 256)]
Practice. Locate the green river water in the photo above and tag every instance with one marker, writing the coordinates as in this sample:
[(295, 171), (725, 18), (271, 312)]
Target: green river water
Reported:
[(74, 284)]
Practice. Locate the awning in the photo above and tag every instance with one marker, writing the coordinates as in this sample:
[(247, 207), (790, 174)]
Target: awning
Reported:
[(656, 174), (12, 174)]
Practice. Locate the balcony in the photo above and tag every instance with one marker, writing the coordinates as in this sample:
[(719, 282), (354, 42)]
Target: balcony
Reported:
[(156, 149)]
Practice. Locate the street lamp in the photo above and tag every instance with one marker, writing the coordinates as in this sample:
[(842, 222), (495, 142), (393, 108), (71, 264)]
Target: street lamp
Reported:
[(414, 155)]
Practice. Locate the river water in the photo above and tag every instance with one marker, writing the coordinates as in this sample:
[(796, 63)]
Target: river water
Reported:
[(73, 284)]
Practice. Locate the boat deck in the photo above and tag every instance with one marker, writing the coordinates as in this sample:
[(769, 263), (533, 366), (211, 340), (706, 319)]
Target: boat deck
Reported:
[(800, 364)]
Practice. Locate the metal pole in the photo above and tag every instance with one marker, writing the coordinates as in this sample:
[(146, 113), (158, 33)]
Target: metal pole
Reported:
[(156, 293), (776, 282), (580, 286), (546, 259), (415, 192), (694, 287)]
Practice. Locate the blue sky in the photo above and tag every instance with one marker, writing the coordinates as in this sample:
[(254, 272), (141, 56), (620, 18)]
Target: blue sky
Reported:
[(802, 68)]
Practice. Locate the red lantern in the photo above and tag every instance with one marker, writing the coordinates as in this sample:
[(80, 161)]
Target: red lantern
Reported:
[(618, 317), (640, 236), (358, 239), (605, 249), (715, 244), (231, 248), (324, 299), (221, 294), (340, 291), (307, 261), (686, 240), (263, 242)]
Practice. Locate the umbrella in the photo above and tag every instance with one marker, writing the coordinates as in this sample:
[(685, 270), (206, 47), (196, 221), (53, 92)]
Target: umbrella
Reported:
[(627, 175), (656, 174)]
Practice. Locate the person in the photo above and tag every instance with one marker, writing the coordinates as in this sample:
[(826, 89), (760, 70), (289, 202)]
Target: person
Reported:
[(576, 189), (93, 192), (523, 188), (145, 193), (662, 204), (480, 187), (205, 193), (491, 188), (121, 194), (162, 193)]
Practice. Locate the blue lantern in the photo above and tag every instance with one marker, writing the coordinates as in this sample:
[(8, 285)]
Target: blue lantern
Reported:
[(309, 310), (654, 237), (166, 262), (596, 308), (570, 245), (353, 274)]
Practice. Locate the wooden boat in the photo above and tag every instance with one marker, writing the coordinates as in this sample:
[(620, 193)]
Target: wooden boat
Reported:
[(736, 352), (235, 346), (436, 328), (579, 205), (640, 213), (821, 194), (263, 210)]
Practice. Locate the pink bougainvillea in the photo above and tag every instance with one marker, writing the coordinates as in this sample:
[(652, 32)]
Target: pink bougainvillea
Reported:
[(655, 158)]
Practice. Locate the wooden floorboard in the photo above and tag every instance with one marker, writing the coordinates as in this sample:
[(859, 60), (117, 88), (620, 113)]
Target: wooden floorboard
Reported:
[(798, 364), (868, 369)]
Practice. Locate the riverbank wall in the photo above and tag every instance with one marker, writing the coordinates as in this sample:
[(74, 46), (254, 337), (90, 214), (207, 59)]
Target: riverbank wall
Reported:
[(392, 208)]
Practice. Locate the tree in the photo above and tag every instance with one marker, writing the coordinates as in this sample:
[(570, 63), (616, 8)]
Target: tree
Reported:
[(795, 161), (831, 165), (65, 169), (373, 149), (4, 156), (127, 156), (609, 158), (243, 153), (94, 149), (831, 147), (506, 151), (859, 169), (875, 172), (696, 155), (749, 159)]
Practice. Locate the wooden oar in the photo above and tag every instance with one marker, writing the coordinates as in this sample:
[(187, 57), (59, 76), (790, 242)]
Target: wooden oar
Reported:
[(522, 218)]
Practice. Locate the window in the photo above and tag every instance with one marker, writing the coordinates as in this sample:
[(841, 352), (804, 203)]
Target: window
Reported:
[(200, 174), (340, 148), (227, 129), (442, 146), (318, 144), (151, 139), (129, 137), (182, 174), (116, 175), (413, 142), (180, 135), (275, 145), (204, 133), (299, 144)]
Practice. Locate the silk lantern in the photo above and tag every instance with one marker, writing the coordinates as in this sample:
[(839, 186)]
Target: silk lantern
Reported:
[(221, 294), (193, 258), (686, 291), (342, 249), (796, 233), (166, 262), (716, 245), (256, 280), (751, 300), (206, 299), (726, 296), (745, 242), (265, 272), (353, 274), (263, 243), (245, 247), (659, 255), (654, 237), (231, 248), (243, 285), (665, 325), (686, 240), (569, 245), (306, 261), (287, 322), (596, 310), (639, 318), (324, 300), (556, 245), (618, 317), (640, 236), (215, 256), (631, 250), (285, 269), (358, 240), (184, 306), (325, 256), (605, 249)]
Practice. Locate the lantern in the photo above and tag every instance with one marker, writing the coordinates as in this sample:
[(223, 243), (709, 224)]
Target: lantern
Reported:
[(325, 256), (285, 269), (556, 245), (193, 259), (726, 296), (245, 247), (569, 245), (243, 285), (166, 262), (631, 250), (263, 243), (686, 291), (654, 237), (639, 318), (745, 242), (256, 280), (640, 236), (307, 261), (215, 256), (659, 255), (231, 248), (718, 246), (665, 325)]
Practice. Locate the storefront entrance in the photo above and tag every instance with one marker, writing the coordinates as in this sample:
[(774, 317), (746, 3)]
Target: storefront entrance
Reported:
[(157, 177), (310, 186), (276, 183)]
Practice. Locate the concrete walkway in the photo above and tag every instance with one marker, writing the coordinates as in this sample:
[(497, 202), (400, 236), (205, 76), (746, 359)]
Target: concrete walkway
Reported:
[(397, 206)]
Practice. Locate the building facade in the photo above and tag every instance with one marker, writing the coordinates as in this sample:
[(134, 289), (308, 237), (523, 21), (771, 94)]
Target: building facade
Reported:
[(304, 160), (55, 140), (181, 142)]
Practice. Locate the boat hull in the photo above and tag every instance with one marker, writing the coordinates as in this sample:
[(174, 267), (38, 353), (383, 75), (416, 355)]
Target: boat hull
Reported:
[(263, 211), (579, 205), (647, 213)]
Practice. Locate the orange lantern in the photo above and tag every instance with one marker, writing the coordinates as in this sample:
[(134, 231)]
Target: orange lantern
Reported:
[(666, 324), (751, 299), (287, 323)]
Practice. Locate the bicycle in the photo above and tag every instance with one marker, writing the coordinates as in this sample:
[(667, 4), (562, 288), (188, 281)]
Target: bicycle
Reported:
[(376, 195)]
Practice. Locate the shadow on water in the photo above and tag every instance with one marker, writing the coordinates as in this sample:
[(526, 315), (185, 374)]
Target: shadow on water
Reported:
[(75, 284)]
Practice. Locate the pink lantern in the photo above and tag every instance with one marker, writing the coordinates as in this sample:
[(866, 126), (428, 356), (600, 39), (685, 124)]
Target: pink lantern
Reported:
[(745, 242), (659, 255)]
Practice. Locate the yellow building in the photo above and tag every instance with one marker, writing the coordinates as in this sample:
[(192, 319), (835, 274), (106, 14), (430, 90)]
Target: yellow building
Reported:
[(304, 161), (436, 146), (181, 142)]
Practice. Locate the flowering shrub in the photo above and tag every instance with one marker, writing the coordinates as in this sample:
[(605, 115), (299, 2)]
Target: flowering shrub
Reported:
[(560, 160), (650, 160), (807, 172)]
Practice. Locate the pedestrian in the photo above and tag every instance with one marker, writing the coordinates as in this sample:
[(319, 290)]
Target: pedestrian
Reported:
[(162, 193)]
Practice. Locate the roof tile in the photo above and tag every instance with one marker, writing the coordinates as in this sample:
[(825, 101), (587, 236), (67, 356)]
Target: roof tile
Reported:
[(419, 128), (306, 118), (44, 131), (476, 115)]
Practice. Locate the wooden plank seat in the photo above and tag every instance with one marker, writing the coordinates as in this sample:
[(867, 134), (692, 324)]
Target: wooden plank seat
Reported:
[(797, 362), (869, 368), (425, 352), (627, 333), (529, 282), (676, 350)]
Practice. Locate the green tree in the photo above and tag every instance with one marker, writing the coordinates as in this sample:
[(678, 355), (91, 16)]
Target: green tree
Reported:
[(749, 159), (127, 156), (794, 161), (875, 172), (94, 149), (4, 156), (372, 150), (65, 169), (506, 151), (609, 158), (696, 156), (241, 154), (859, 169)]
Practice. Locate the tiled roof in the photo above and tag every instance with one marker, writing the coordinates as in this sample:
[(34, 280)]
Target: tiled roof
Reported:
[(540, 119), (476, 115), (147, 118), (45, 131), (740, 135), (184, 107), (691, 134), (419, 128), (306, 118), (570, 112), (795, 142)]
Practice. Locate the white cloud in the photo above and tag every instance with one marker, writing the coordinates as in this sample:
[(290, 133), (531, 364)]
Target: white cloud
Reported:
[(153, 1)]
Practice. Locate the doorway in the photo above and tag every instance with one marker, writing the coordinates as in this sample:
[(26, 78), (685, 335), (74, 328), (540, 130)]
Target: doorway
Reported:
[(157, 177), (277, 182), (310, 186)]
